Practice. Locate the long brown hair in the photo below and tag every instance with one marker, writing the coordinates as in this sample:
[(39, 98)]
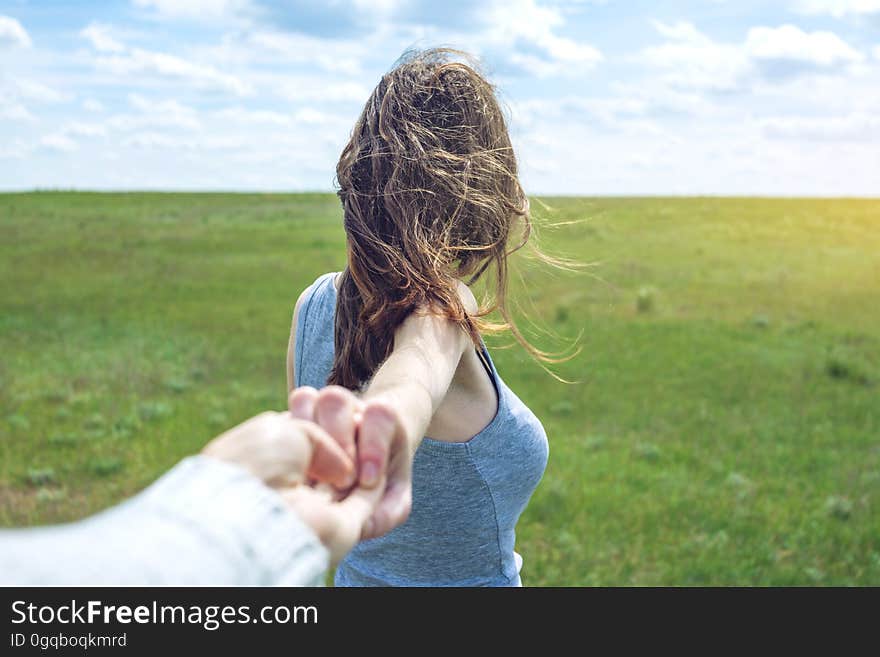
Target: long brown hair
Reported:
[(430, 195)]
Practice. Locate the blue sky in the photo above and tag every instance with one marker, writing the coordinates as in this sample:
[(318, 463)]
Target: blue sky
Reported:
[(604, 96)]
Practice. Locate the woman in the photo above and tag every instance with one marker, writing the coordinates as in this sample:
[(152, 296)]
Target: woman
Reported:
[(431, 199)]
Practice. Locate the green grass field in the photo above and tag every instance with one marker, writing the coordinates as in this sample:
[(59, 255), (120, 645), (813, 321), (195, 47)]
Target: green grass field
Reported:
[(725, 427)]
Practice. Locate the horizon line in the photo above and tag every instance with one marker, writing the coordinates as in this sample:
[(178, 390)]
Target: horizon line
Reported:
[(278, 192)]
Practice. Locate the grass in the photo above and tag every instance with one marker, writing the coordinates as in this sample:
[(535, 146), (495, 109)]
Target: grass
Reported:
[(724, 428)]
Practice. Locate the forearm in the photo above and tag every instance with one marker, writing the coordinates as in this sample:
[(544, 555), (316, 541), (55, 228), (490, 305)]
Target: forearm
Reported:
[(205, 522), (415, 378), (405, 389)]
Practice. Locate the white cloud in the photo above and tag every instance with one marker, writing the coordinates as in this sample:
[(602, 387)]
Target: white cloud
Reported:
[(692, 60), (59, 142), (333, 55), (155, 113), (309, 88), (838, 8), (116, 58), (382, 6), (304, 116), (613, 114), (14, 149), (245, 116), (857, 127), (646, 160), (791, 43), (153, 140), (658, 100), (137, 61), (312, 116), (38, 92), (546, 53), (101, 39), (877, 53), (16, 94), (198, 9), (15, 112), (163, 141), (680, 31), (163, 107), (92, 105), (566, 52), (81, 129), (12, 33), (543, 67)]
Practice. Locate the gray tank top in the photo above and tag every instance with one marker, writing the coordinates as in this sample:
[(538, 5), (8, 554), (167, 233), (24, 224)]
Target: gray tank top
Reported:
[(467, 497)]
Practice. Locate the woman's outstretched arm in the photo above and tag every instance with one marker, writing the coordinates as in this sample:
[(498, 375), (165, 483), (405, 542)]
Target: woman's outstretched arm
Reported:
[(416, 376), (400, 401), (396, 408)]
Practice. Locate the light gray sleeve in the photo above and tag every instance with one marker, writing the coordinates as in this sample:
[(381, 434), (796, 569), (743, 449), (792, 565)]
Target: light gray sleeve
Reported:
[(204, 522)]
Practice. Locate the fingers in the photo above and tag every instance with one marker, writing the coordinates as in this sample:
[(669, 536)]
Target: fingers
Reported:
[(334, 410), (343, 522), (375, 436), (361, 503), (392, 510), (301, 403), (312, 508), (329, 461), (384, 495), (338, 525)]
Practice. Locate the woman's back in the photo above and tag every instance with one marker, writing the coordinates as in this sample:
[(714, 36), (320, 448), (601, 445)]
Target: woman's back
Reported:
[(467, 496)]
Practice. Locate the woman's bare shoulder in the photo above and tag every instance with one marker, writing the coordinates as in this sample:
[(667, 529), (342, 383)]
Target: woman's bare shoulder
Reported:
[(468, 300)]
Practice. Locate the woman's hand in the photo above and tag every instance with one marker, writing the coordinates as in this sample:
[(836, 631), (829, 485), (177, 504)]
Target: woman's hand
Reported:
[(385, 461), (373, 433)]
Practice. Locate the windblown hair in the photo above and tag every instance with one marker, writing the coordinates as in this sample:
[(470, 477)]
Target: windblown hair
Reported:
[(430, 194)]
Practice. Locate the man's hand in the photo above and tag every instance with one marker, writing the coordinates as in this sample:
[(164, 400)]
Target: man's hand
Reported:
[(284, 451), (372, 433), (338, 524)]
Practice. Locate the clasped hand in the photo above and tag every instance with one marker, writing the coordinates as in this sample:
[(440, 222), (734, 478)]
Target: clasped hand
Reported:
[(342, 464)]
